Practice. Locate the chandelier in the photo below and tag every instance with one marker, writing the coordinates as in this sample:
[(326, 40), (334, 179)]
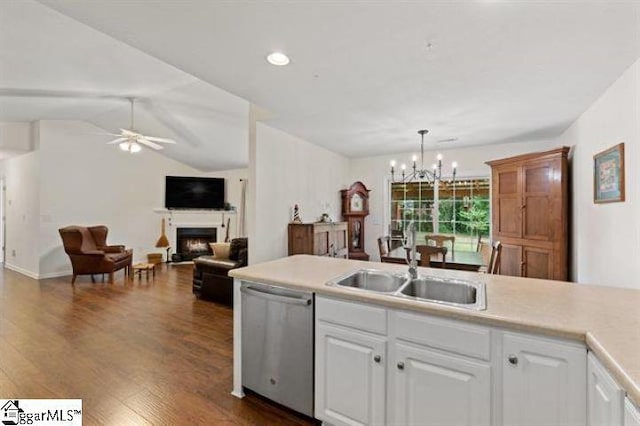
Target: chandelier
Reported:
[(421, 174)]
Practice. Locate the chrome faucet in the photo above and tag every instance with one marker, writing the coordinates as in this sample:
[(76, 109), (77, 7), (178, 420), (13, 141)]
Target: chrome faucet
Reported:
[(410, 243)]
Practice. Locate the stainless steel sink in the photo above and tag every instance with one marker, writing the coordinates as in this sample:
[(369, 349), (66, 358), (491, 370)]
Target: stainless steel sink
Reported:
[(372, 280), (447, 291), (467, 294)]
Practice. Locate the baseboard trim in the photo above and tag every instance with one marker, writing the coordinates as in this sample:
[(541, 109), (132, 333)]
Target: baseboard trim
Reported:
[(21, 271), (37, 276), (55, 275)]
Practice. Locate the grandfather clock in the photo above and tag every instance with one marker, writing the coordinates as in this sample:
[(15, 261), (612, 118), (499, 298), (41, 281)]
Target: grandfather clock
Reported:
[(355, 207)]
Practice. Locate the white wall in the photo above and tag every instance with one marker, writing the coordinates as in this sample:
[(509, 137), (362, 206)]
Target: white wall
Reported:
[(606, 237), (22, 177), (288, 171), (374, 173), (15, 138), (80, 180)]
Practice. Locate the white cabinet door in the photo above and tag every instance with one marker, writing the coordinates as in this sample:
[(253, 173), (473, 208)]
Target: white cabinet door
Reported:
[(436, 389), (631, 414), (350, 376), (544, 382), (605, 397)]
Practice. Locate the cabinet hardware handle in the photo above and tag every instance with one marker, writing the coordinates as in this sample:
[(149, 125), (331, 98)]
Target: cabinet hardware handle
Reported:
[(401, 366), (377, 358), (513, 360)]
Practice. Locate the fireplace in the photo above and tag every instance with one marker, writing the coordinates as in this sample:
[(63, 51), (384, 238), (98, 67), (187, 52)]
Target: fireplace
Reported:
[(194, 242)]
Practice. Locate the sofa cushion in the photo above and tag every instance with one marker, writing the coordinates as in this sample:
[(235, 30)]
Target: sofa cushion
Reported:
[(237, 244), (116, 257), (213, 262), (220, 250)]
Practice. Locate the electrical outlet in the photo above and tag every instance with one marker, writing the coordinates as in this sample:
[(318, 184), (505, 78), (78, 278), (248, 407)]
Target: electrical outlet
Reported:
[(13, 253)]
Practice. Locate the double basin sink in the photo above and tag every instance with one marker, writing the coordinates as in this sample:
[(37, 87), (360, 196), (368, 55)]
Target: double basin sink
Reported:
[(446, 291)]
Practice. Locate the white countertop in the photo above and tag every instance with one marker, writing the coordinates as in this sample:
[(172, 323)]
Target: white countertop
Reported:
[(607, 319)]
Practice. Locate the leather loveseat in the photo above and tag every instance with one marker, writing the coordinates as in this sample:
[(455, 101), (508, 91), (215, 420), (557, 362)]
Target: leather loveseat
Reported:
[(211, 280)]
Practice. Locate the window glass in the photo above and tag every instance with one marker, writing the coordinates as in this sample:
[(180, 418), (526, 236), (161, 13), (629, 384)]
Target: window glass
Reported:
[(460, 209)]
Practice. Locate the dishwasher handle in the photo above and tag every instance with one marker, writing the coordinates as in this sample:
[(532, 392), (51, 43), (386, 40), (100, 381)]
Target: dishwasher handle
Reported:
[(275, 297)]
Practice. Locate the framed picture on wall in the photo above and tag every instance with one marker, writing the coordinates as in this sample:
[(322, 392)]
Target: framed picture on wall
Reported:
[(608, 175)]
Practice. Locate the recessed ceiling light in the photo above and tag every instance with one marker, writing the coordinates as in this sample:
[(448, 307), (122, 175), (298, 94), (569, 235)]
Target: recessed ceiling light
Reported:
[(278, 58)]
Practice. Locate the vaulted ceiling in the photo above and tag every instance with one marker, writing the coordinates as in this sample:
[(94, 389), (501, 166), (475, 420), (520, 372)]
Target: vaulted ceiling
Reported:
[(54, 67), (364, 76)]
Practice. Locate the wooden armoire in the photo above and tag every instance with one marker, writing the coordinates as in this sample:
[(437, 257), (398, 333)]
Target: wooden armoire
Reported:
[(530, 213)]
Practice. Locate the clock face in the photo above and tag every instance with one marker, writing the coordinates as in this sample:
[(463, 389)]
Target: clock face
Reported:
[(357, 203)]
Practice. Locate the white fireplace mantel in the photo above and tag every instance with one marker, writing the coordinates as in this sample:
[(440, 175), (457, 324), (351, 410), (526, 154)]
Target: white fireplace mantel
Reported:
[(199, 218), (188, 212)]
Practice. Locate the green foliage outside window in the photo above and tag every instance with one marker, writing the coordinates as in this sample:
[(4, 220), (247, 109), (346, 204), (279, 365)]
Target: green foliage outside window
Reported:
[(463, 210)]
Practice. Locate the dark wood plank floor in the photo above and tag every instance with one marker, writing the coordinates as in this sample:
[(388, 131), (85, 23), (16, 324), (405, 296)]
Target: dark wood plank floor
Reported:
[(136, 352)]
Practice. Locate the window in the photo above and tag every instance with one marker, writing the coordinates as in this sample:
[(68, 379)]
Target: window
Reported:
[(460, 209)]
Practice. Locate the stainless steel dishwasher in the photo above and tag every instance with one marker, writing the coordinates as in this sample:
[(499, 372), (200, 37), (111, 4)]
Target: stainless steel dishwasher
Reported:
[(277, 344)]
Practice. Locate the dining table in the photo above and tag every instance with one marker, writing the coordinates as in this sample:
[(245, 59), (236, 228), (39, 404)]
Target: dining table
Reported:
[(459, 260)]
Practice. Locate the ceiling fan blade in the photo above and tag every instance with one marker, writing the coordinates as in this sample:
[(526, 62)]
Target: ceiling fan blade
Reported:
[(97, 134), (127, 132), (143, 140), (115, 141), (103, 134), (161, 140)]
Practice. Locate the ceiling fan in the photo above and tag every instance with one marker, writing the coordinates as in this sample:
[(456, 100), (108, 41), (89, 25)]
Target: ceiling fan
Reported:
[(129, 140)]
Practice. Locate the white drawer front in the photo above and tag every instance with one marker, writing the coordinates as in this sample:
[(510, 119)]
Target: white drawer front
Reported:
[(449, 335), (352, 314)]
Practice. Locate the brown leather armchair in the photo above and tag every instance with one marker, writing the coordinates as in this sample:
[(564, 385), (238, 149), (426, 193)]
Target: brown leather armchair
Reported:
[(89, 253)]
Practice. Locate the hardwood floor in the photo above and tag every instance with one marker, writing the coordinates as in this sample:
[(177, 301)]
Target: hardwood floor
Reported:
[(136, 352)]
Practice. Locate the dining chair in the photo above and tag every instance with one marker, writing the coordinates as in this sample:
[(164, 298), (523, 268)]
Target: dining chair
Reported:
[(384, 248), (494, 262), (427, 251), (396, 238), (485, 250), (440, 239)]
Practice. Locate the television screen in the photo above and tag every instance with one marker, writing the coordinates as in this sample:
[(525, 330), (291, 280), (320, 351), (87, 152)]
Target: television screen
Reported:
[(193, 193)]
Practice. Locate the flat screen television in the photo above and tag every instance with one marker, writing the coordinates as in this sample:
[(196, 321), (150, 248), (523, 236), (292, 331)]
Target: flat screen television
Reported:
[(183, 192)]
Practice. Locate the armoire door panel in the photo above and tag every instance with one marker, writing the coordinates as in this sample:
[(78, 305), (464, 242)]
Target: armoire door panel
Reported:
[(511, 260), (538, 263), (538, 178), (538, 218), (508, 182), (509, 219)]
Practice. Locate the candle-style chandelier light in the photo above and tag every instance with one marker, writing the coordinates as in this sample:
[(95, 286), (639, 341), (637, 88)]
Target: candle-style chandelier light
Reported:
[(421, 173)]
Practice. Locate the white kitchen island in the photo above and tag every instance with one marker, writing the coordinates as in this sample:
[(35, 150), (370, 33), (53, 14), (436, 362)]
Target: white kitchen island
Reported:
[(387, 360)]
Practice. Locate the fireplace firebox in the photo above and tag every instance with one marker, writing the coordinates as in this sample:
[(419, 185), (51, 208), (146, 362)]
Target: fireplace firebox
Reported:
[(194, 242)]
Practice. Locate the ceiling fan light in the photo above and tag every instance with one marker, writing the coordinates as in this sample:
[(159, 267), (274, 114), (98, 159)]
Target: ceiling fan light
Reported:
[(135, 147), (124, 146)]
